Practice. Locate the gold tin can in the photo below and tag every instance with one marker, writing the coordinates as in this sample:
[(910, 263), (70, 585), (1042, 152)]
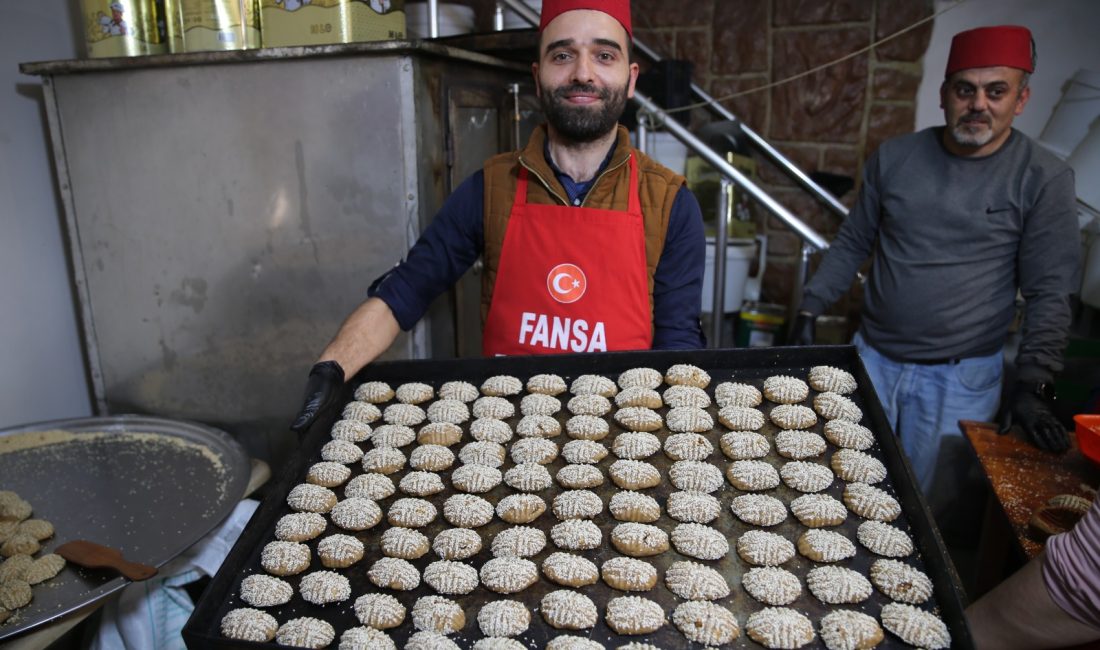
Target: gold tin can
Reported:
[(206, 25), (121, 28), (322, 22)]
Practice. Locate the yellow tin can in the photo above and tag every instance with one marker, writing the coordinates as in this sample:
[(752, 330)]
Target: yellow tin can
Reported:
[(321, 22), (121, 28), (205, 25)]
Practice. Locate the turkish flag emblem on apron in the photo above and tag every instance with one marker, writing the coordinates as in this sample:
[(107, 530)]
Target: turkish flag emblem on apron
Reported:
[(570, 279)]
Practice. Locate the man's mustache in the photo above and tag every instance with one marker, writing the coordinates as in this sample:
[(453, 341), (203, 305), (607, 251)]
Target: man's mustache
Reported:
[(984, 118), (587, 89)]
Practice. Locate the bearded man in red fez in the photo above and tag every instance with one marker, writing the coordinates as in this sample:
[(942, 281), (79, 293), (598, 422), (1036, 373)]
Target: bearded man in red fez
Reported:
[(588, 244), (957, 219)]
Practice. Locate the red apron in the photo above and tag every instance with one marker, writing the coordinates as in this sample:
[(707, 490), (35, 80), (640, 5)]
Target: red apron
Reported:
[(570, 279)]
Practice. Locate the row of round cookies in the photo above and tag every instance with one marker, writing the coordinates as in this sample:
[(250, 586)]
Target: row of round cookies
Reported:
[(482, 458)]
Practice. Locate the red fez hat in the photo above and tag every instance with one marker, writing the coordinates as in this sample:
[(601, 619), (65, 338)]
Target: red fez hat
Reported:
[(617, 9), (987, 47)]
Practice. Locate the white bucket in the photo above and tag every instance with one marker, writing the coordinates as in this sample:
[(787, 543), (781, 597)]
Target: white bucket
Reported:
[(1079, 106), (739, 256), (665, 149)]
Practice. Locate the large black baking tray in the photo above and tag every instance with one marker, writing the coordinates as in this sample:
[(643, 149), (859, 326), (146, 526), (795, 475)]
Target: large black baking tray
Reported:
[(150, 497), (751, 365)]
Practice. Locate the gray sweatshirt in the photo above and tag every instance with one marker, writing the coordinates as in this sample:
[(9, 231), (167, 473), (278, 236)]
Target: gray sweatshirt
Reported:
[(952, 239)]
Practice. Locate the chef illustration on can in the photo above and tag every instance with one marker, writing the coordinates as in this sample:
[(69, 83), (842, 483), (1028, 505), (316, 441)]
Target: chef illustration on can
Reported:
[(114, 25)]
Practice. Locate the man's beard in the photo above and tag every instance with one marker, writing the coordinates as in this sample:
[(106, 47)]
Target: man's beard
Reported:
[(582, 124), (963, 136)]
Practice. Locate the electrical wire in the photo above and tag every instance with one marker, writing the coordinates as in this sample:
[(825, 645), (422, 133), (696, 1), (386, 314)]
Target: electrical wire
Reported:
[(823, 66)]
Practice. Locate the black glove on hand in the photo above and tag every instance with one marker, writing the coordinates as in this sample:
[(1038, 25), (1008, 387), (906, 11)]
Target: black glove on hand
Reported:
[(1030, 410), (325, 381), (803, 332)]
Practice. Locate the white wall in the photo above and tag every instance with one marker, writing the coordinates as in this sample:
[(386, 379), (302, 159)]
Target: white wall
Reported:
[(42, 370), (1067, 37)]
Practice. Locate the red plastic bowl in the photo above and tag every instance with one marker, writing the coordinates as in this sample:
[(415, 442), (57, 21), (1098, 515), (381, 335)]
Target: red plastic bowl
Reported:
[(1088, 436)]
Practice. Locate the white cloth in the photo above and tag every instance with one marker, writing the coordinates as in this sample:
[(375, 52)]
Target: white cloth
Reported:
[(150, 615)]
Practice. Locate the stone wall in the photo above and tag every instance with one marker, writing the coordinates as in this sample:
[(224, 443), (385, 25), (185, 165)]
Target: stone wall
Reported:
[(829, 121)]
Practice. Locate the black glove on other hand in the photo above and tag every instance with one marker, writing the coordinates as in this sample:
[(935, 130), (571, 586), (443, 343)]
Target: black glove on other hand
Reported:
[(323, 386), (804, 329), (1029, 408)]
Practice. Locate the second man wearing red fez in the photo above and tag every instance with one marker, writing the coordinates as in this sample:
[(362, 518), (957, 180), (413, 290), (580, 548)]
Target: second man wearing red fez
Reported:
[(956, 219), (588, 244)]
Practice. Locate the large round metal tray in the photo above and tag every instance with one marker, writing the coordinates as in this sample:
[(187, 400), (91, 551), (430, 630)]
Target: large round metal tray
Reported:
[(150, 496)]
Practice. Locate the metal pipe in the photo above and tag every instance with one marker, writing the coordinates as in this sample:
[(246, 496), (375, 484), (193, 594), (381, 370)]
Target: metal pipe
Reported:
[(759, 142), (498, 17), (722, 224), (516, 117), (433, 18), (641, 139), (808, 234), (800, 279)]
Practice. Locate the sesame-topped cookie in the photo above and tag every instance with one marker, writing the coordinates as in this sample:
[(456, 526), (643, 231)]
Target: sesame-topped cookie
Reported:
[(744, 445), (305, 632), (570, 570), (324, 587), (761, 548), (361, 412), (686, 397), (779, 627), (509, 575), (694, 581), (772, 585), (834, 406), (503, 618), (493, 407), (628, 574), (407, 414), (477, 479), (583, 452), (518, 541), (828, 378), (699, 541), (799, 445), (901, 582), (688, 446), (693, 507), (730, 393), (806, 476), (634, 506), (577, 504), (546, 384), (451, 578), (758, 509), (741, 418), (705, 623), (639, 540), (784, 389), (467, 511), (520, 508), (685, 374), (595, 405), (576, 535), (538, 426), (456, 544), (452, 411), (870, 502), (884, 539), (528, 477), (394, 573), (430, 458), (404, 543), (482, 452), (688, 419), (825, 545), (817, 510), (638, 396), (640, 378), (414, 393), (915, 626), (568, 609), (844, 629), (356, 513), (634, 615), (752, 475), (539, 404), (578, 477), (793, 416), (636, 418), (501, 386), (857, 466), (462, 391), (393, 435), (593, 385), (421, 484), (849, 435), (411, 513), (351, 430), (695, 475), (635, 445), (299, 526), (535, 450), (634, 474), (835, 585), (374, 392), (444, 434)]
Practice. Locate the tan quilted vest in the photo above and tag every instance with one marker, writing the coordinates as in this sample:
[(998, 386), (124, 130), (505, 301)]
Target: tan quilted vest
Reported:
[(657, 188)]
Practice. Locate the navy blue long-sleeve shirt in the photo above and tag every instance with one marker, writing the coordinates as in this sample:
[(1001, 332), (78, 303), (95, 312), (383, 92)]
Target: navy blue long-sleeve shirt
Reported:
[(456, 238)]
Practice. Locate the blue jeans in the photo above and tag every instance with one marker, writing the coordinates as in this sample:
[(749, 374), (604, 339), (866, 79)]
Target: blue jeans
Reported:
[(924, 404)]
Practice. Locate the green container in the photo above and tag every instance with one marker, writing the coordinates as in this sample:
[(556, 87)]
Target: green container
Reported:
[(761, 325)]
